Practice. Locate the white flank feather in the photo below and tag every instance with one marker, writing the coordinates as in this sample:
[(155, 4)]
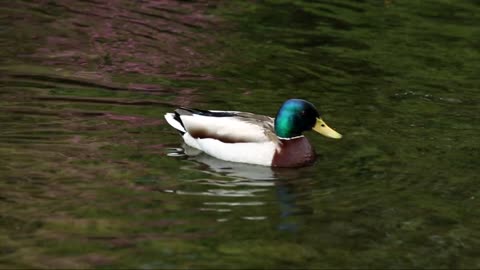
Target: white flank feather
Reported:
[(225, 126), (189, 140), (174, 123), (253, 153)]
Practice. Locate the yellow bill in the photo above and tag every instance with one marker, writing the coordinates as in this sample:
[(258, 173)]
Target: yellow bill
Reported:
[(325, 130)]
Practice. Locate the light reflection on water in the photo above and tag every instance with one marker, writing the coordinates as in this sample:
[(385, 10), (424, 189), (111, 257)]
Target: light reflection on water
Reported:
[(290, 198)]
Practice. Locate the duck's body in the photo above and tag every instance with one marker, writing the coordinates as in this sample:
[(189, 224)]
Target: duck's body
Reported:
[(250, 138)]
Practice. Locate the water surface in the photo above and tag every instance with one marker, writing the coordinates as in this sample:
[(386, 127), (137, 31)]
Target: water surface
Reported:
[(93, 177)]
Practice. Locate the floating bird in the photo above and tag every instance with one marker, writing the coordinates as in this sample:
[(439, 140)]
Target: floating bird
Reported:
[(255, 139)]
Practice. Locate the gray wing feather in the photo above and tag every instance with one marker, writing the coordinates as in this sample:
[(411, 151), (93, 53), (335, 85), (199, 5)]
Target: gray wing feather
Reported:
[(265, 122)]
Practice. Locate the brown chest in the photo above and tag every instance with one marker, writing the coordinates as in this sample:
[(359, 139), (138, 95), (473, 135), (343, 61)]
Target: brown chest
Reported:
[(294, 153)]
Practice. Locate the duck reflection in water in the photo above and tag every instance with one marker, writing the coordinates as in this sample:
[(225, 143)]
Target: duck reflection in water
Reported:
[(292, 188)]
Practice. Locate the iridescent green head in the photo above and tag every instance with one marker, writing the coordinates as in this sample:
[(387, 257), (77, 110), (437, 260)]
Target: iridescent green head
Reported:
[(298, 115)]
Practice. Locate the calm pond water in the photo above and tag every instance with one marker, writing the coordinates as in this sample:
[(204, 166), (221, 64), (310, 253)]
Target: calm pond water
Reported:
[(93, 177)]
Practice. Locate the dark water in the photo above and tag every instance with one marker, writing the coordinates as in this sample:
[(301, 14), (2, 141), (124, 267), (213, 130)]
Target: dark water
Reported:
[(93, 177)]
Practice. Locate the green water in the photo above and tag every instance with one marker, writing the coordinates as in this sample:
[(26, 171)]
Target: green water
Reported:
[(91, 176)]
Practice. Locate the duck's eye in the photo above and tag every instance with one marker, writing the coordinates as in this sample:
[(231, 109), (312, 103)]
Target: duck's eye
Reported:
[(323, 125)]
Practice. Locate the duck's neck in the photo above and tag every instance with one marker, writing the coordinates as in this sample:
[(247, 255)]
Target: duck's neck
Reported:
[(292, 138)]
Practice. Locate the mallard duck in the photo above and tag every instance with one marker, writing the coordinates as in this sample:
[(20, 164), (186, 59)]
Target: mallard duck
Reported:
[(250, 138)]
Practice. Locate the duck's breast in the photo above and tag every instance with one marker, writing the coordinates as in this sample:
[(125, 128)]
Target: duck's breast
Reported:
[(294, 153)]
